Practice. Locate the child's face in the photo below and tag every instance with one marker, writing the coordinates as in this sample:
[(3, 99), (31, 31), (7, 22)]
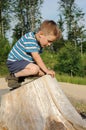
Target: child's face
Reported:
[(46, 40)]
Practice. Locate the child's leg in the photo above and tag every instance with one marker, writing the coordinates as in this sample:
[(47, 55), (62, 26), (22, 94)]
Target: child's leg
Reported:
[(41, 73), (20, 69), (30, 69)]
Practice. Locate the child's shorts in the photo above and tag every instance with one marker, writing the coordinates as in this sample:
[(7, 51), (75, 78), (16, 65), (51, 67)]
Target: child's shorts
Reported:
[(17, 66)]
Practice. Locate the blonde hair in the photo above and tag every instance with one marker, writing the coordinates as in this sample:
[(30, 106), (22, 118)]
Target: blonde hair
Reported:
[(50, 27)]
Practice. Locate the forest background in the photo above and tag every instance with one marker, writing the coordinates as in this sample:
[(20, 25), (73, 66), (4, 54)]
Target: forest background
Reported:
[(66, 56)]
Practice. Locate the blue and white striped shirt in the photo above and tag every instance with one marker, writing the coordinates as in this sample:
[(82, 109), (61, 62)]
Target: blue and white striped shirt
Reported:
[(23, 48)]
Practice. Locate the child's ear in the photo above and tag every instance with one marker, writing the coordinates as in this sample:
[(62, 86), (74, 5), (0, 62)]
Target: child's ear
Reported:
[(41, 33)]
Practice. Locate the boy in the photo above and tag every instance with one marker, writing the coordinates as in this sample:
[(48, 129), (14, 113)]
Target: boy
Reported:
[(24, 58)]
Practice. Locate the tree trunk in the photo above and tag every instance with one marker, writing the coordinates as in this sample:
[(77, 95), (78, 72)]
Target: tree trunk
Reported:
[(39, 105)]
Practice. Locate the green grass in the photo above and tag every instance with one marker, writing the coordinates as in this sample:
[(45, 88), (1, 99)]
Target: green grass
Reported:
[(69, 79), (3, 70)]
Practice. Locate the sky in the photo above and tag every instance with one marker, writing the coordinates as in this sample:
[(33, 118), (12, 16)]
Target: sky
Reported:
[(49, 10)]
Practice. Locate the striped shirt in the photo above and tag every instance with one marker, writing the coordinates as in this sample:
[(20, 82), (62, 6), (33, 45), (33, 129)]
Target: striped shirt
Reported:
[(23, 48)]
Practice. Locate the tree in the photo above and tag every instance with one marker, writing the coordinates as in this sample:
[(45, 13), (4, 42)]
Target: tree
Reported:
[(28, 15), (69, 60), (72, 17), (4, 49), (57, 45), (4, 16)]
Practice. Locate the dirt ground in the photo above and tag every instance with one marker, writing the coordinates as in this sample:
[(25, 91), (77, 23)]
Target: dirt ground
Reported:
[(78, 92)]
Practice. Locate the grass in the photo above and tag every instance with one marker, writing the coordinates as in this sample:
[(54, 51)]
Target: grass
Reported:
[(3, 70), (69, 79)]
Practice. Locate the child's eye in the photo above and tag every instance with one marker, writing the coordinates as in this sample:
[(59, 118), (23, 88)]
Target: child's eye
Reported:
[(50, 41)]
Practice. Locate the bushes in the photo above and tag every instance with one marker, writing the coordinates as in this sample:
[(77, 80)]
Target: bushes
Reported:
[(4, 50), (83, 57), (49, 58), (69, 61), (52, 61)]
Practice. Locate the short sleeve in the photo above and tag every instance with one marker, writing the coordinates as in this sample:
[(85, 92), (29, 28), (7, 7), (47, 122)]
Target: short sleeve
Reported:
[(30, 43)]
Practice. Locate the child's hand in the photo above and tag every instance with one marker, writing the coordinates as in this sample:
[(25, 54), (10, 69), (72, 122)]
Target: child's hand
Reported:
[(51, 72)]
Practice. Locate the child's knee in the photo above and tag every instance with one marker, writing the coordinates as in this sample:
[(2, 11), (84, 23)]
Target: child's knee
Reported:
[(33, 68), (36, 69)]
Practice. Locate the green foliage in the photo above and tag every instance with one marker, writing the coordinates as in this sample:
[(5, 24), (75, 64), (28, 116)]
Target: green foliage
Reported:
[(57, 45), (49, 58), (70, 17), (83, 57), (3, 69), (83, 47), (69, 60), (4, 16), (4, 49), (17, 32), (28, 16)]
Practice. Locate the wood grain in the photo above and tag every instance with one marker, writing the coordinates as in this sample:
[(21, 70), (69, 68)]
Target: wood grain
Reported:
[(39, 105)]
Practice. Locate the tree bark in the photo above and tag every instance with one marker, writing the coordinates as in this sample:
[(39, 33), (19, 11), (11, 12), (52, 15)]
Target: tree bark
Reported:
[(39, 105)]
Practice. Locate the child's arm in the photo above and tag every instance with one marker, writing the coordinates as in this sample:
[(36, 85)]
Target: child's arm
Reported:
[(41, 64)]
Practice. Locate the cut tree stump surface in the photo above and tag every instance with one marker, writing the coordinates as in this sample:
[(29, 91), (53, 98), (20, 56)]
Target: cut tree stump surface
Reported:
[(76, 91), (39, 105)]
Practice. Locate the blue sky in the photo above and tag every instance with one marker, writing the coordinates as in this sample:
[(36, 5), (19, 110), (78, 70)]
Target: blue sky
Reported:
[(49, 8)]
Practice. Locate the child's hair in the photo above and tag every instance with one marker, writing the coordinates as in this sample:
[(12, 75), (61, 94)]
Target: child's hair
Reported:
[(50, 27)]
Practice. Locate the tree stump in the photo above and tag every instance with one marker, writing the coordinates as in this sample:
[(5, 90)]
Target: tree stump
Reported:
[(39, 105)]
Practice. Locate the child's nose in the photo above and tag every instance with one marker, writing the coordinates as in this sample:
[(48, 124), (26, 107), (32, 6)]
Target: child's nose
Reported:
[(49, 44)]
